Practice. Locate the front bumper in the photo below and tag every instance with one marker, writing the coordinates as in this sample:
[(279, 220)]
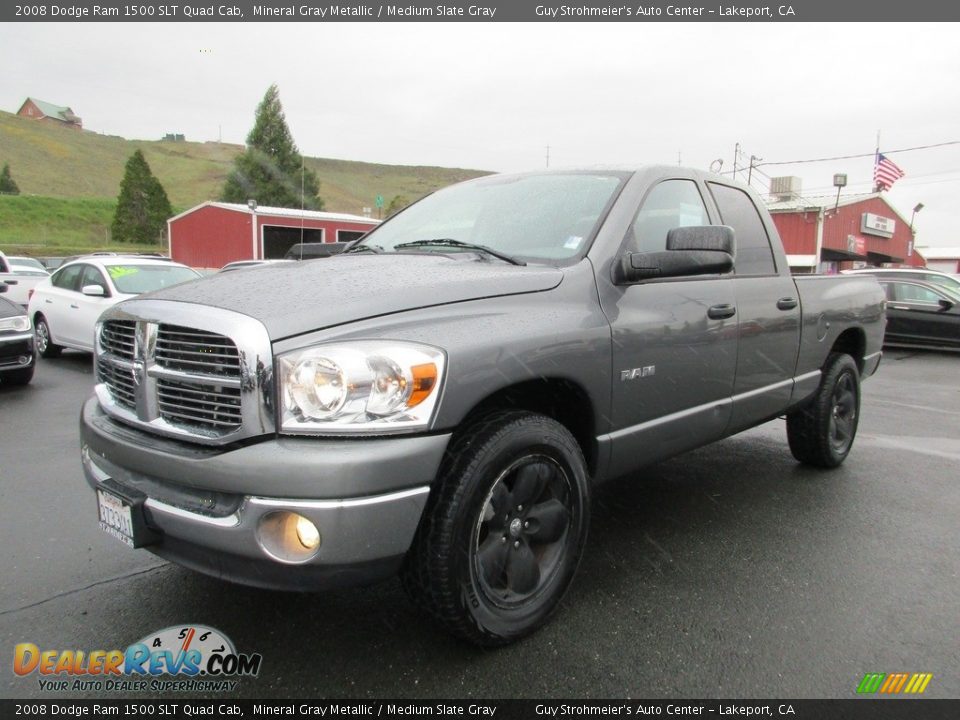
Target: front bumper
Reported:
[(17, 351), (206, 505)]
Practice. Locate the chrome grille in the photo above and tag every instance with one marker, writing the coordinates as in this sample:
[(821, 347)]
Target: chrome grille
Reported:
[(196, 351), (199, 403), (117, 337), (185, 371), (120, 382)]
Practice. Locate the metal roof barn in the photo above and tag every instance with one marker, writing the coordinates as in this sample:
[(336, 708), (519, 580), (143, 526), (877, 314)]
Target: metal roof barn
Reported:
[(213, 234)]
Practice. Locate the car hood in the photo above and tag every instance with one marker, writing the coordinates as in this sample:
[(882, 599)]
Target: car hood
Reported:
[(315, 294)]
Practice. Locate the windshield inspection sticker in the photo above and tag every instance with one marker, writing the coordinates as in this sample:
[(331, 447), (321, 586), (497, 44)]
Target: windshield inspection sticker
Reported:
[(573, 242), (119, 271)]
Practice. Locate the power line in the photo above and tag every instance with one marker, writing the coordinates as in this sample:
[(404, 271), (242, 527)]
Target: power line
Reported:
[(861, 155)]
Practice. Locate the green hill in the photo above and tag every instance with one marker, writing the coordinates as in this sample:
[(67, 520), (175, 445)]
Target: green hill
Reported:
[(77, 175)]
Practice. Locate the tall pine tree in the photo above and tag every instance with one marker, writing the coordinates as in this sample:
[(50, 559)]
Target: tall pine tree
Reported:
[(7, 185), (271, 171), (142, 206)]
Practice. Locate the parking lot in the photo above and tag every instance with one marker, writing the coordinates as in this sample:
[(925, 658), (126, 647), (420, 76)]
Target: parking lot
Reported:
[(729, 572)]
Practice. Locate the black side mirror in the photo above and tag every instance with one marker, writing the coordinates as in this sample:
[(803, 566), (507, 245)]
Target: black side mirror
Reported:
[(700, 250), (944, 304)]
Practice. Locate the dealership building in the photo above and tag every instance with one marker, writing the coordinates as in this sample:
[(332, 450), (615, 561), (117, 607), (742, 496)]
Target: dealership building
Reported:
[(829, 234)]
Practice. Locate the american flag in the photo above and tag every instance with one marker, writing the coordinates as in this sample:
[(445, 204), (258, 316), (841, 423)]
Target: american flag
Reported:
[(885, 173)]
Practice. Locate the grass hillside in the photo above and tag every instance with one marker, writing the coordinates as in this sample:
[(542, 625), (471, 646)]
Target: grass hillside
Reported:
[(77, 175)]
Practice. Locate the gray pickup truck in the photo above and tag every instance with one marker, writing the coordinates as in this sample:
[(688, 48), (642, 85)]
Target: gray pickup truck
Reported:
[(440, 400)]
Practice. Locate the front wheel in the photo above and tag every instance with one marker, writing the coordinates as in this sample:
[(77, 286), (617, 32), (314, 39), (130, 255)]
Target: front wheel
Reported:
[(821, 433), (45, 345), (504, 529)]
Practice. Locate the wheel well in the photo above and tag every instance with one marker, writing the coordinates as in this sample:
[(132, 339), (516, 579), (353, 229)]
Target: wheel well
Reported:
[(563, 400), (853, 343)]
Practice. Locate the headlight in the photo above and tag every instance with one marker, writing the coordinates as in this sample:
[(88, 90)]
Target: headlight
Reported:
[(20, 323), (368, 386)]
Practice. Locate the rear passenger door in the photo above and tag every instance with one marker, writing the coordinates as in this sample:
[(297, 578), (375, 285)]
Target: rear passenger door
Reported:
[(768, 308)]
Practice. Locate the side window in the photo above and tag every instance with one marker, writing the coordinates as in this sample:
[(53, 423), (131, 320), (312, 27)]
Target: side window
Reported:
[(753, 256), (671, 204), (92, 276), (907, 292), (67, 278)]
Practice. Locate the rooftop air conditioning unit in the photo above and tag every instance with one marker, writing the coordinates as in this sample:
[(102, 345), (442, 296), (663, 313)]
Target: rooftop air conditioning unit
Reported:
[(785, 188)]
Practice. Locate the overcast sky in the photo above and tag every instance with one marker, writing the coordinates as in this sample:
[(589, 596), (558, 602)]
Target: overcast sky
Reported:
[(495, 96)]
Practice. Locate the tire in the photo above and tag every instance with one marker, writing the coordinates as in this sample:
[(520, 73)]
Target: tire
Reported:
[(18, 377), (45, 345), (503, 530), (822, 432)]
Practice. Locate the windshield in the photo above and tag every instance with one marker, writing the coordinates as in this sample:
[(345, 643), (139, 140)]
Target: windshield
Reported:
[(538, 217), (944, 281), (25, 263), (135, 279)]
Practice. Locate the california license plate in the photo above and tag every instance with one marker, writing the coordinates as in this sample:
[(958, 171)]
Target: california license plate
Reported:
[(116, 517)]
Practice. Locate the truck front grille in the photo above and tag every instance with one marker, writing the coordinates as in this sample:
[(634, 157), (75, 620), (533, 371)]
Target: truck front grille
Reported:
[(199, 404), (186, 382), (117, 338), (196, 352), (120, 382)]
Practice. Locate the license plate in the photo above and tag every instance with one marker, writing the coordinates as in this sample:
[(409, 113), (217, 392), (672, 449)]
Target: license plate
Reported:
[(116, 517)]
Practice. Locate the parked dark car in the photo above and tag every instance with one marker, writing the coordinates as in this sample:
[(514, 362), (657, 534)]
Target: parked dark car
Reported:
[(308, 251), (942, 280), (17, 354), (920, 314)]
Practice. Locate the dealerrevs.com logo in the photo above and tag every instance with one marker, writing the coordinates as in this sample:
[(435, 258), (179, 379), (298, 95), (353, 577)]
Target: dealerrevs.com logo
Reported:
[(186, 658)]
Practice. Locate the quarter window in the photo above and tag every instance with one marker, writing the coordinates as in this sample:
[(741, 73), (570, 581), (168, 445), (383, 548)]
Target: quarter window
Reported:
[(671, 204), (753, 255)]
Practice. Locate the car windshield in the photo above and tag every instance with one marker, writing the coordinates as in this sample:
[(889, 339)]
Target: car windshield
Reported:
[(944, 281), (547, 217), (133, 279)]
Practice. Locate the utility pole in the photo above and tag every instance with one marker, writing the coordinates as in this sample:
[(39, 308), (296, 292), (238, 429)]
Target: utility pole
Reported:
[(548, 156), (753, 160), (736, 154)]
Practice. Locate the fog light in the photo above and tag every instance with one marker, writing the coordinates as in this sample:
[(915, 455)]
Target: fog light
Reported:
[(307, 533), (24, 359), (288, 536)]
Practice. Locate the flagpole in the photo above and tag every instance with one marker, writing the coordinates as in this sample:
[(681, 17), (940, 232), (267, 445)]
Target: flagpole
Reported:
[(876, 161)]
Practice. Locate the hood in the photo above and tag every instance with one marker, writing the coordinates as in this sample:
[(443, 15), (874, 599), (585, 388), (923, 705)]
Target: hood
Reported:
[(315, 294)]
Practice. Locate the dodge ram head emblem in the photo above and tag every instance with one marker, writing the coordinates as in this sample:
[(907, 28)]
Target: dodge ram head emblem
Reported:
[(640, 372)]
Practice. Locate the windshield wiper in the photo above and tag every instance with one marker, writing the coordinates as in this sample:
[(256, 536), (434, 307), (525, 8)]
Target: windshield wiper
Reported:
[(450, 242), (360, 247)]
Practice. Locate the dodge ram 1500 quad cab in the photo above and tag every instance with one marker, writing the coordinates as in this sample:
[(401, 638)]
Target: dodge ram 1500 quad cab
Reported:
[(440, 399)]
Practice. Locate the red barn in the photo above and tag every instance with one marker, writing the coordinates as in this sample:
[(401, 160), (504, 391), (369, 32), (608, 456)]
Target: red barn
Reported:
[(214, 233), (821, 235)]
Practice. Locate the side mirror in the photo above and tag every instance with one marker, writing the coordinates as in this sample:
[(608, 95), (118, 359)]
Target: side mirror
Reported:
[(94, 291), (702, 250), (945, 304)]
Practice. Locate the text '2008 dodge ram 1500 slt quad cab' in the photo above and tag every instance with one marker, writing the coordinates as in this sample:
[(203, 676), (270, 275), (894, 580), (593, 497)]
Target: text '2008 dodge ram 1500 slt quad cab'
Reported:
[(440, 399)]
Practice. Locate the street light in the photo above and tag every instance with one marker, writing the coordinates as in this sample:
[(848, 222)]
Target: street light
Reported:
[(916, 209), (839, 182)]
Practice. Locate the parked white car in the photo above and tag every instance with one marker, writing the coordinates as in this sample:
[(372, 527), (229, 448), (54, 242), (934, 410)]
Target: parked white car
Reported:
[(65, 307), (19, 278)]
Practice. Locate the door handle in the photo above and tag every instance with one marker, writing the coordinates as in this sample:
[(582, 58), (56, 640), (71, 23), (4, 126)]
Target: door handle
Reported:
[(75, 307), (786, 303), (48, 301), (719, 312)]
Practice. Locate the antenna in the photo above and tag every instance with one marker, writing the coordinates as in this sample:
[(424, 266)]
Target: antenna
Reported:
[(302, 203)]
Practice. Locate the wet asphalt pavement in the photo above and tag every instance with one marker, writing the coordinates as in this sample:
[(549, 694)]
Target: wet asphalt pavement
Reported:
[(728, 572)]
